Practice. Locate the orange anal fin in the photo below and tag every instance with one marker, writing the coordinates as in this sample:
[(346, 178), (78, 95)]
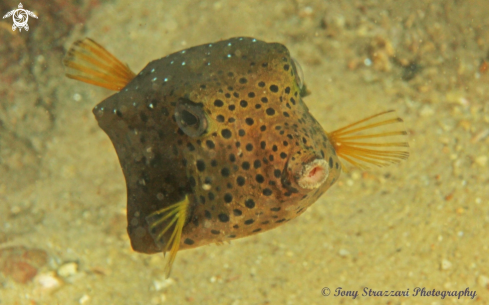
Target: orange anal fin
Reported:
[(172, 218), (378, 140), (89, 62)]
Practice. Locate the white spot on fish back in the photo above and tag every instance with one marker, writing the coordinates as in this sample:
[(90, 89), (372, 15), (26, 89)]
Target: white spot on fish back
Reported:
[(151, 106), (183, 52), (154, 79), (229, 55), (229, 44), (152, 70), (183, 63)]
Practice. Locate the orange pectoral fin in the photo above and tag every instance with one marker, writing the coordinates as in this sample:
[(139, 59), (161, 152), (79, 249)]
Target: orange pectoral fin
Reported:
[(89, 62), (372, 141)]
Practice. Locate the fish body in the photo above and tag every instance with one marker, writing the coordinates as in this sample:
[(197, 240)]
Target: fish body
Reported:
[(215, 142)]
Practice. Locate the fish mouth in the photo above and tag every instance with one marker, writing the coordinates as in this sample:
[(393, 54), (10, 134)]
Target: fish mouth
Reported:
[(313, 174), (305, 170)]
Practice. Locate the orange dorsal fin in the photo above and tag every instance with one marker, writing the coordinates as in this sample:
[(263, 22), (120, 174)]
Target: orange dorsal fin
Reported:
[(378, 140), (89, 62)]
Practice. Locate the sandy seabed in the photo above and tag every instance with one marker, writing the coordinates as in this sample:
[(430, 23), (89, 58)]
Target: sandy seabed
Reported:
[(421, 224)]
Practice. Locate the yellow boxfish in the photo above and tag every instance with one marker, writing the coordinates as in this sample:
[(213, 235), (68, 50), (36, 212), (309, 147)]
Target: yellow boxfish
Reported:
[(216, 142)]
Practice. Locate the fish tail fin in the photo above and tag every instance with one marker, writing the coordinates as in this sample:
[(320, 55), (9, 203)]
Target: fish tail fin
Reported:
[(89, 62), (170, 219), (372, 141)]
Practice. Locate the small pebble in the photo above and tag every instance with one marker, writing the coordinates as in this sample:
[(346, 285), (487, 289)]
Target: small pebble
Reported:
[(84, 299), (162, 284), (426, 111), (48, 281), (306, 12), (446, 264), (68, 269), (253, 271), (481, 161), (483, 281), (156, 300)]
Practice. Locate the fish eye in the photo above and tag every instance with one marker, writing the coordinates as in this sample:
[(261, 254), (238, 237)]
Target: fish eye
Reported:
[(191, 118), (299, 74)]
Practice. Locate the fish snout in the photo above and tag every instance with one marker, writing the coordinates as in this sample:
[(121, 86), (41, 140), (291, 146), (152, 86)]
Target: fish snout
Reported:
[(313, 174), (308, 170)]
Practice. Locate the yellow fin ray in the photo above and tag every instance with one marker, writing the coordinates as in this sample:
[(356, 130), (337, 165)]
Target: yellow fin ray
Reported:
[(380, 143), (89, 62), (177, 214)]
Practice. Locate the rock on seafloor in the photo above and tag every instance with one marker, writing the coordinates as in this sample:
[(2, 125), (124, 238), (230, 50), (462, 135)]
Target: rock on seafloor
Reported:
[(20, 263)]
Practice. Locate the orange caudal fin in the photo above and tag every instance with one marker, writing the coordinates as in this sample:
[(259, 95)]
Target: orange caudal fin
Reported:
[(378, 140), (89, 62)]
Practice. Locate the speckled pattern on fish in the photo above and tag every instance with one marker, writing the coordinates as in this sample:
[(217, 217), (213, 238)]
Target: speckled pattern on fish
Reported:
[(237, 171)]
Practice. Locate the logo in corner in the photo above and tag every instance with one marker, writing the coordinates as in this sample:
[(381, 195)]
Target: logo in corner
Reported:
[(20, 17)]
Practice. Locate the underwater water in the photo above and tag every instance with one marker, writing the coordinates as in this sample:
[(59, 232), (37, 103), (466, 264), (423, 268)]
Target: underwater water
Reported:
[(422, 223)]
